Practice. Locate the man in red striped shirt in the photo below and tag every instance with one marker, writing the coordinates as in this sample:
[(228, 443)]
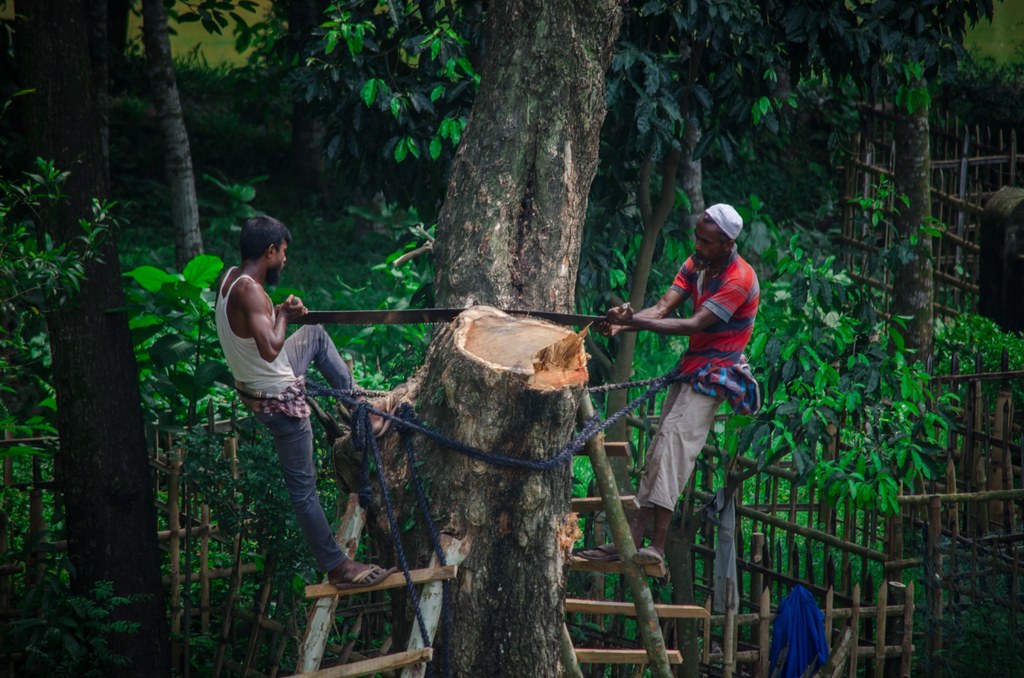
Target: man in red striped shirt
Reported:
[(725, 297)]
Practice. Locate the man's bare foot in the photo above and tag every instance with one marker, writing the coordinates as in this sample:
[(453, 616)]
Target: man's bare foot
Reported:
[(351, 574)]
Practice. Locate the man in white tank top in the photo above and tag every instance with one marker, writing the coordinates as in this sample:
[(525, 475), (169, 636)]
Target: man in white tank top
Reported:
[(269, 369)]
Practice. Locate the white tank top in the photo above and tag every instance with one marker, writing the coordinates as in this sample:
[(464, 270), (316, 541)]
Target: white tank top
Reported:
[(243, 356)]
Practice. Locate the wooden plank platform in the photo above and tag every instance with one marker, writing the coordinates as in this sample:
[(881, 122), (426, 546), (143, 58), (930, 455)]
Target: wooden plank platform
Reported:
[(369, 667), (588, 656), (392, 581), (588, 504), (614, 567), (629, 610)]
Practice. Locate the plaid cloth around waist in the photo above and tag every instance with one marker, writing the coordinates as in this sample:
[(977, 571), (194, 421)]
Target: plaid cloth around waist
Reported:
[(290, 402)]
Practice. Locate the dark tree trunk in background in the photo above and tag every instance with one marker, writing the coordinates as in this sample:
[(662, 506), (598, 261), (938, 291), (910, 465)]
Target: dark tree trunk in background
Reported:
[(913, 284), (188, 241), (102, 464), (307, 156), (510, 230)]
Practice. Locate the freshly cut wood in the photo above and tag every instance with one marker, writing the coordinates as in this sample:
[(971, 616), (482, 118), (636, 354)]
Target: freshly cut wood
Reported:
[(588, 656), (629, 609), (369, 667), (392, 581)]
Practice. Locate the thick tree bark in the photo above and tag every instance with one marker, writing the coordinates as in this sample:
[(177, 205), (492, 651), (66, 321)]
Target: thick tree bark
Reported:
[(913, 284), (479, 386), (510, 230), (188, 241), (102, 464)]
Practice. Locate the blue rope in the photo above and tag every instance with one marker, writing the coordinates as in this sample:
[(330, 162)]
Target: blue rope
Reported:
[(363, 433)]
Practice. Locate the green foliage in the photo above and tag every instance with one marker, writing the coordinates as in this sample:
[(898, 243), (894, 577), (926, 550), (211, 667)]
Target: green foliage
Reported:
[(61, 634), (832, 369), (395, 82), (37, 276), (175, 338), (217, 15), (978, 342), (984, 93)]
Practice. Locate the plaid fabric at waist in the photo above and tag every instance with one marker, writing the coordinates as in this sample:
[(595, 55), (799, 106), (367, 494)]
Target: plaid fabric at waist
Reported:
[(290, 402)]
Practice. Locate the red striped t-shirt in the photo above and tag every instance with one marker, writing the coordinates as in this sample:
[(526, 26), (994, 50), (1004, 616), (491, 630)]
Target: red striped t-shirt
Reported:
[(732, 296)]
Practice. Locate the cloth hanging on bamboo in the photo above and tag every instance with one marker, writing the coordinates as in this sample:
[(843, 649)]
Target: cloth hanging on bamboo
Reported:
[(800, 625), (722, 513)]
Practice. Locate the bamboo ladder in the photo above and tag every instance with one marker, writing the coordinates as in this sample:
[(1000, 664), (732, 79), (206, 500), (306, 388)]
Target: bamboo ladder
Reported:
[(643, 608)]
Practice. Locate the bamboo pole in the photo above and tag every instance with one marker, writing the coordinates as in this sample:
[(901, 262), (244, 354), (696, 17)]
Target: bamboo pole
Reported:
[(647, 618), (229, 607), (259, 614), (757, 557), (829, 615), (895, 630), (854, 631), (729, 635), (204, 565), (432, 599), (173, 547), (763, 633), (907, 654), (934, 591), (570, 666), (706, 654), (880, 629)]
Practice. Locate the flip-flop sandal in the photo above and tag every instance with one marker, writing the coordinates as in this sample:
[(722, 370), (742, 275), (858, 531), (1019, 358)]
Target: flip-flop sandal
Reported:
[(368, 577), (603, 553), (648, 555)]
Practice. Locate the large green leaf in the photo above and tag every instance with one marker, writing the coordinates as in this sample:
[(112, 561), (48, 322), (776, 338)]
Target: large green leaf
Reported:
[(151, 277), (203, 270)]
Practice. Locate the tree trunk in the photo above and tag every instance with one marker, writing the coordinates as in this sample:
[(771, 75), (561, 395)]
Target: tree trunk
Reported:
[(102, 464), (510, 230), (913, 284), (480, 385), (307, 157), (188, 241)]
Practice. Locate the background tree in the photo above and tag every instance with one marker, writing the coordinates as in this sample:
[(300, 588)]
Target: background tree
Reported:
[(188, 240), (102, 464)]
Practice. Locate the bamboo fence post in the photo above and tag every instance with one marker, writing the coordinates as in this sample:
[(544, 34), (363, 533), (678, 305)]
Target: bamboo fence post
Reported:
[(706, 654), (757, 556), (764, 614), (895, 630), (229, 607), (204, 569), (880, 629), (907, 646), (5, 577), (934, 596), (854, 631), (830, 614), (646, 617), (174, 538), (1014, 589), (729, 635), (848, 520), (259, 613), (37, 525)]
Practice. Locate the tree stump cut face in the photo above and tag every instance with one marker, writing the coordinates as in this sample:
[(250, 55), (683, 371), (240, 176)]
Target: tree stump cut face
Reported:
[(550, 356)]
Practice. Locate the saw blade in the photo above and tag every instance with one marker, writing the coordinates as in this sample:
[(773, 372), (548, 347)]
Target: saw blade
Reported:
[(410, 316)]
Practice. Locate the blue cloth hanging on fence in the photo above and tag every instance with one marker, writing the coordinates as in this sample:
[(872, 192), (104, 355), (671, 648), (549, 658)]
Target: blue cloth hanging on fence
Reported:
[(801, 626)]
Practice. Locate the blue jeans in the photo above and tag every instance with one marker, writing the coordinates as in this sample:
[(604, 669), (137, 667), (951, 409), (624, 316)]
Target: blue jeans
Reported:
[(293, 441)]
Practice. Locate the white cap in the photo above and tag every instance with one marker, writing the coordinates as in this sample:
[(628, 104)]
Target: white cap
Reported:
[(728, 220)]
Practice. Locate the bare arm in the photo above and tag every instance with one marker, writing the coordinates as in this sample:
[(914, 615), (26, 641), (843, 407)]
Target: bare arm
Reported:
[(653, 318), (252, 315)]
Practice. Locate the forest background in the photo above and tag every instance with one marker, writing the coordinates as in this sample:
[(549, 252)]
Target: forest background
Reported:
[(362, 210)]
